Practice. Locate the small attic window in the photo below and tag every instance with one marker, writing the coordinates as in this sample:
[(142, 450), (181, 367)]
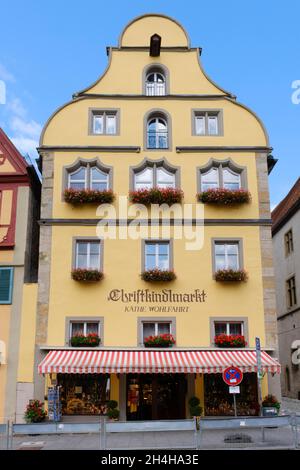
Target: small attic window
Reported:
[(155, 42)]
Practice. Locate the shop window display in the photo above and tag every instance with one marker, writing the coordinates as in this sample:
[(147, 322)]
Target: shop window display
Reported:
[(219, 402), (83, 394)]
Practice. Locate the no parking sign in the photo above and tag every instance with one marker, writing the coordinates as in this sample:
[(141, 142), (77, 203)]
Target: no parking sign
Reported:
[(232, 376)]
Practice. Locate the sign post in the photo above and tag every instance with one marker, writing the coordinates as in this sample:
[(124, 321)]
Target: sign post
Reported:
[(233, 376), (259, 373)]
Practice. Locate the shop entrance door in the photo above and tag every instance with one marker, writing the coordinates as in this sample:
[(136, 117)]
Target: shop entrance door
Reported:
[(156, 396)]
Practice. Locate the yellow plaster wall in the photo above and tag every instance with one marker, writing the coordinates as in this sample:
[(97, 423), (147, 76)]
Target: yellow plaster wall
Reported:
[(27, 336), (5, 312)]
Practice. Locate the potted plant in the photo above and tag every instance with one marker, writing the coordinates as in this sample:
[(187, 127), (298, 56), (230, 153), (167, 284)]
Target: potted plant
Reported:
[(112, 410), (159, 341), (91, 196), (35, 412), (158, 275), (90, 340), (222, 196), (86, 275), (230, 341), (231, 275), (270, 406), (150, 196), (194, 407)]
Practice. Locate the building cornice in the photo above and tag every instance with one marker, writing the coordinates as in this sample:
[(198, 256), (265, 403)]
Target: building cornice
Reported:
[(287, 314), (118, 348), (90, 148), (159, 222), (125, 96), (222, 148)]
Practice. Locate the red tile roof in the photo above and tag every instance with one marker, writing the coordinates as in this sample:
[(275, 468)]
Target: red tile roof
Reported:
[(286, 208)]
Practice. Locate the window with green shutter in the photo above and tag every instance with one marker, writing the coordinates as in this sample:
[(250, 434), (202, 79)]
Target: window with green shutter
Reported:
[(6, 283)]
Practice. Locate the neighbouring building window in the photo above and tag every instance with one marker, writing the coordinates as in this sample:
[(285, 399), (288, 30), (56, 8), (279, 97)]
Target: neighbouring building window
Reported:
[(289, 243), (157, 255), (207, 123), (227, 255), (291, 292), (221, 175), (154, 175), (155, 328), (104, 122), (84, 328), (157, 132), (6, 285), (88, 175), (88, 254), (229, 328)]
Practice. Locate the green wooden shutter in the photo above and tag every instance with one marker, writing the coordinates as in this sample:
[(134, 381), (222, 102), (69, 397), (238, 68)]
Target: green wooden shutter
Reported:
[(6, 280)]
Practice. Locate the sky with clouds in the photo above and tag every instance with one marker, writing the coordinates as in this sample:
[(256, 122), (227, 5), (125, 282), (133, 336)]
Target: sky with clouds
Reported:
[(51, 49)]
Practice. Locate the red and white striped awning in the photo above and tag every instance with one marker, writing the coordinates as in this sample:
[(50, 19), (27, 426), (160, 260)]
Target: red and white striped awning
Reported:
[(153, 362)]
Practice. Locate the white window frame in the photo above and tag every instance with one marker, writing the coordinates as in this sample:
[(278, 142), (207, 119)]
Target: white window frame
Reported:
[(157, 88), (154, 179), (78, 180), (228, 323), (88, 242), (226, 243), (105, 114), (156, 323), (85, 322), (92, 180), (206, 115), (156, 244), (158, 133)]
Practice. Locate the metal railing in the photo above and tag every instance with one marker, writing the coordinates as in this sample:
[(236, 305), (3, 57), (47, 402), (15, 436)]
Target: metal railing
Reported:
[(155, 89), (203, 433)]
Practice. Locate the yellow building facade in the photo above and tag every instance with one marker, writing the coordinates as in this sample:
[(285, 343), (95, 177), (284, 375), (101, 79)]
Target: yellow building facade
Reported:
[(154, 119)]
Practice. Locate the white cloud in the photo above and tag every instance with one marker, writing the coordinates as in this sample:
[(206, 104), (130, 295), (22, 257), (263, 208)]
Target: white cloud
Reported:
[(6, 75), (29, 128), (25, 145), (16, 107)]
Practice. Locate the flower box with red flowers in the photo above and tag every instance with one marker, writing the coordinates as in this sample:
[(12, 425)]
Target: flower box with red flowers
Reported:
[(147, 197), (90, 196), (224, 196), (158, 275), (90, 340), (159, 341), (230, 341), (231, 275), (86, 275)]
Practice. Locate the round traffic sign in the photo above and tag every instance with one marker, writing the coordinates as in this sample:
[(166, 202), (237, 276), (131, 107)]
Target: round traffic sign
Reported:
[(232, 376)]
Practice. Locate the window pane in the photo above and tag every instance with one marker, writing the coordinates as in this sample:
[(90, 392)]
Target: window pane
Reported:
[(150, 262), (148, 329), (231, 180), (219, 249), (200, 125), (95, 248), (163, 328), (232, 248), (212, 125), (220, 328), (81, 261), (111, 124), (235, 328), (163, 248), (150, 248), (77, 179), (210, 179), (165, 179), (232, 262), (98, 124), (92, 328), (220, 262), (144, 179), (82, 248), (77, 329)]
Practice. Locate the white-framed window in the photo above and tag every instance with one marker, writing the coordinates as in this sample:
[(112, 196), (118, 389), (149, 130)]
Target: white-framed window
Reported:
[(229, 328), (207, 122), (151, 328), (155, 84), (88, 254), (157, 255), (221, 175), (104, 122), (154, 176), (227, 255), (157, 133), (89, 177), (84, 328)]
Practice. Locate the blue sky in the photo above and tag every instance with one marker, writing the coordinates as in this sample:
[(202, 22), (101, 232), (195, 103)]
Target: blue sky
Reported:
[(51, 49)]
